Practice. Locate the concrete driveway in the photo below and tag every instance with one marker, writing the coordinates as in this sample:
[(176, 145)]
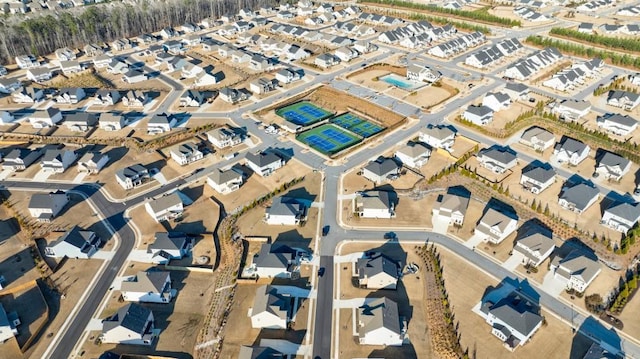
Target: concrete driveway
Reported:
[(514, 261), (552, 286), (439, 225)]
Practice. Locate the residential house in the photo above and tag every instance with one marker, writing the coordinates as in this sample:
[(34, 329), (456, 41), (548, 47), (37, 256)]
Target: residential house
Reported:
[(621, 125), (611, 165), (260, 63), (71, 95), (495, 226), (167, 246), (111, 122), (6, 117), (161, 123), (27, 61), (326, 60), (375, 204), (117, 66), (514, 318), (134, 76), (165, 207), (439, 136), (531, 65), (264, 163), (285, 211), (377, 272), (496, 101), (135, 98), (121, 45), (621, 216), (58, 161), (422, 73), (9, 85), (44, 207), (295, 52), (132, 176), (92, 162), (167, 33), (39, 74), (80, 121), (226, 181), (286, 76), (65, 54), (9, 323), (571, 109), (495, 54), (478, 115), (27, 94), (204, 78), (365, 47), (379, 323), (148, 287), (132, 324), (381, 170), (534, 247), (578, 197), (102, 61), (272, 262), (571, 151), (70, 67), (271, 310), (232, 96), (623, 99), (537, 138), (188, 27), (452, 209), (536, 177), (223, 137), (413, 154), (106, 97), (346, 54), (75, 243), (186, 153), (497, 158), (263, 85), (576, 270), (93, 50), (516, 91), (191, 98), (585, 28), (20, 158)]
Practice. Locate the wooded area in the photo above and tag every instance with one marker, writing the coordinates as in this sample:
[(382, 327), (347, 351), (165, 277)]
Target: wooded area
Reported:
[(41, 35), (618, 43)]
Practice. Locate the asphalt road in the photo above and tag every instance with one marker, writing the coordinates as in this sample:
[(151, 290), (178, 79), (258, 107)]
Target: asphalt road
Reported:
[(324, 305)]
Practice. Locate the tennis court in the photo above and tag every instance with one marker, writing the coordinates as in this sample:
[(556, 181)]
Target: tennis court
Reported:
[(328, 139), (303, 113), (357, 125)]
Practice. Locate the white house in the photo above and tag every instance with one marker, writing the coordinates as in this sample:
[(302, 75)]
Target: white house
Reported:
[(375, 204), (623, 99), (534, 247), (148, 287), (621, 125), (28, 94), (621, 216), (161, 123), (378, 323), (381, 170), (9, 323), (285, 211), (537, 178), (111, 122), (92, 162), (537, 138), (264, 163), (496, 101), (452, 209), (272, 262), (167, 246), (45, 206), (497, 158), (576, 270), (58, 161), (75, 243), (9, 85), (572, 109), (132, 324), (612, 166), (286, 76), (70, 95), (478, 115), (439, 136), (223, 137), (271, 310), (45, 118), (422, 73), (495, 226), (165, 208), (225, 181), (377, 272), (578, 198), (413, 154), (186, 153), (39, 74), (326, 60), (571, 151), (346, 53)]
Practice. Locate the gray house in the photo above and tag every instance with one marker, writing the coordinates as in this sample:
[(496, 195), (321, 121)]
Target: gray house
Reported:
[(378, 272), (285, 211), (579, 197), (168, 246), (612, 166), (498, 159), (132, 324), (20, 158), (381, 170), (45, 206), (271, 310), (132, 176), (75, 243)]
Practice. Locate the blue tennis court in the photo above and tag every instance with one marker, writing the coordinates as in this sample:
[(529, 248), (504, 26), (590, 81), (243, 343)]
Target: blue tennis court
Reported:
[(303, 113), (328, 139), (357, 125)]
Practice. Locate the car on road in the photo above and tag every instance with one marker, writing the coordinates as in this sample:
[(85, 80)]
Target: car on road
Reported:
[(325, 230), (390, 235), (321, 272)]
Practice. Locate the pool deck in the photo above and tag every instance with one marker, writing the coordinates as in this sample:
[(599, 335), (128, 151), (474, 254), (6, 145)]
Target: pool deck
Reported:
[(402, 83)]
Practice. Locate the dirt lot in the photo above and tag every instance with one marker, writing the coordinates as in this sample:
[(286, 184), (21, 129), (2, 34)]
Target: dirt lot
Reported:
[(501, 118), (409, 213), (629, 317), (239, 331), (465, 291), (116, 80), (32, 310), (16, 260), (353, 181), (178, 321), (410, 305)]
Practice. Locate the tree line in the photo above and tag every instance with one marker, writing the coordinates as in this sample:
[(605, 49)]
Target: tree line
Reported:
[(76, 27), (618, 43), (481, 15), (585, 51)]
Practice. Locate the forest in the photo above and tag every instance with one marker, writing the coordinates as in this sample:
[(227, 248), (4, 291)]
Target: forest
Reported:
[(618, 43), (102, 23)]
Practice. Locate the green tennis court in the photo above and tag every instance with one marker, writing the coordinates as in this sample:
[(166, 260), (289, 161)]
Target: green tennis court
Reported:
[(357, 125), (328, 139), (303, 113)]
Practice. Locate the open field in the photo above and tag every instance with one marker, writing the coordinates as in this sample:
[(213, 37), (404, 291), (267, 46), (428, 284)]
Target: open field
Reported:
[(31, 307), (16, 259), (629, 317), (409, 213)]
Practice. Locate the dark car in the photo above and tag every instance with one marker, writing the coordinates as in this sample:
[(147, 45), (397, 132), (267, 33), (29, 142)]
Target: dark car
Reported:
[(325, 230), (390, 235), (321, 272)]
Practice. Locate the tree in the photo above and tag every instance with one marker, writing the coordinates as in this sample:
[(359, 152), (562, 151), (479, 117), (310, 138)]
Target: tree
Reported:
[(546, 209)]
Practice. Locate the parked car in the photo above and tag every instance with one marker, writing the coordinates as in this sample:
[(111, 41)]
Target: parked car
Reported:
[(325, 230), (321, 272)]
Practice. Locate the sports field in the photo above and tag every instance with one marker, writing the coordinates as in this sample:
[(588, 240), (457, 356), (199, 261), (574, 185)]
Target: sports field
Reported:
[(357, 125), (303, 113), (328, 139)]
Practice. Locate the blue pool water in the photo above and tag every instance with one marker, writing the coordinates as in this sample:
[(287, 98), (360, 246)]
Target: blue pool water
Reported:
[(401, 82)]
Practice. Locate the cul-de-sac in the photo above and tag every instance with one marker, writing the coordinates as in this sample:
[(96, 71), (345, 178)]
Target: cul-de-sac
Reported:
[(284, 179)]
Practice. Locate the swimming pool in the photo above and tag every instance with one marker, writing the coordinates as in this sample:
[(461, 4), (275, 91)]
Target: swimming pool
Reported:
[(401, 82)]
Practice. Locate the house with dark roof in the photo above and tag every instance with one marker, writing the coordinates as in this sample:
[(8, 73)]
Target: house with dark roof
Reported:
[(151, 286), (478, 115), (92, 162), (167, 246), (497, 159), (264, 163), (271, 310), (160, 123), (225, 181), (514, 318), (132, 324), (80, 121), (379, 323), (285, 211), (9, 323), (621, 216), (20, 158), (377, 272), (45, 206), (621, 125), (105, 97), (496, 101), (166, 207), (132, 176), (186, 153), (576, 270), (439, 136), (27, 94), (75, 243), (571, 151), (534, 246), (381, 170), (452, 208), (57, 161), (578, 197), (375, 204), (272, 262), (611, 165), (537, 177), (259, 352), (623, 99)]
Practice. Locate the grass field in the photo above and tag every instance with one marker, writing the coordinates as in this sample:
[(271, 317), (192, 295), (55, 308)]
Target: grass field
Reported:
[(303, 113), (357, 125), (328, 139)]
